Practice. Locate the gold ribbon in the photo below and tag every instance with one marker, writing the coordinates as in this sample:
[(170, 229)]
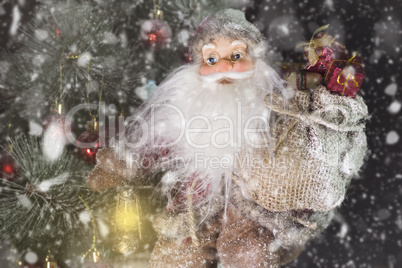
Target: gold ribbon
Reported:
[(311, 46), (157, 13), (349, 61)]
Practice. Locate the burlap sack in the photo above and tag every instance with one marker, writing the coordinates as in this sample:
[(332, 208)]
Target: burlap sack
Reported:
[(317, 145)]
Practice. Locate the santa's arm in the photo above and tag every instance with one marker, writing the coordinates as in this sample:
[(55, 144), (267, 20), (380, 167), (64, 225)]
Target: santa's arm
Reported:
[(111, 171), (108, 172)]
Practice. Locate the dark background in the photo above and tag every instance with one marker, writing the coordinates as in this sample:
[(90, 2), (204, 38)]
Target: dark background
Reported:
[(367, 230)]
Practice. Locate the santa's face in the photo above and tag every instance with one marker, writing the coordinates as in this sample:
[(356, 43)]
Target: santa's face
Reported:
[(225, 55)]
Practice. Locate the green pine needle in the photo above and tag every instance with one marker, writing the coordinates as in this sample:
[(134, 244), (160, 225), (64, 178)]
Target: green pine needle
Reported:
[(41, 210)]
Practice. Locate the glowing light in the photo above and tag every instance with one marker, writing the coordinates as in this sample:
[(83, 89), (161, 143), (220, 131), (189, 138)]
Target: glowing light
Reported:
[(152, 38), (127, 221), (127, 212), (127, 217), (8, 169)]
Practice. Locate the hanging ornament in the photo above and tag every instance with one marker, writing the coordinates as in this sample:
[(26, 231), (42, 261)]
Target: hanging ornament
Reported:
[(156, 33), (8, 169), (57, 125), (93, 259), (88, 143), (49, 261), (127, 221), (56, 128), (57, 133)]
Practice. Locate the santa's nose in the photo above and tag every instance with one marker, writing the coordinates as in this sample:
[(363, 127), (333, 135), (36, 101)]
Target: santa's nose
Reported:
[(223, 66)]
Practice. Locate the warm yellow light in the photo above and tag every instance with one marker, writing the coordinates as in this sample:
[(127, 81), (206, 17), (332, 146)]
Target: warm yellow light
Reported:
[(127, 221), (127, 212), (95, 256), (60, 108), (127, 218)]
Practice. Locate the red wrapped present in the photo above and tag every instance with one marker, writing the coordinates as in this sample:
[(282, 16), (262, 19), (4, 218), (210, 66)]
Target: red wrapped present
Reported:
[(345, 77), (321, 65), (325, 56), (321, 51)]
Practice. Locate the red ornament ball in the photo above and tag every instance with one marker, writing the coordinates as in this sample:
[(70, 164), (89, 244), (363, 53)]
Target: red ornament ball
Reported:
[(8, 169), (88, 145), (155, 34)]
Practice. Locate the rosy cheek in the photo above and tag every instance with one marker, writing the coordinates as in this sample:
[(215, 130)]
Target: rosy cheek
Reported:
[(206, 69), (243, 66)]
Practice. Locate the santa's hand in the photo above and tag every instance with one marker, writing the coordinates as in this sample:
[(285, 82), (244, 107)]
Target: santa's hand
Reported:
[(108, 172)]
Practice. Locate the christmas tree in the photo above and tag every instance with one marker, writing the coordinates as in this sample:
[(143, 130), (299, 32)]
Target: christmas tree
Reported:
[(105, 58), (72, 74)]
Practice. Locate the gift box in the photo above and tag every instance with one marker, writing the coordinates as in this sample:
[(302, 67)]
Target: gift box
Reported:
[(324, 56), (321, 50), (305, 80), (345, 77)]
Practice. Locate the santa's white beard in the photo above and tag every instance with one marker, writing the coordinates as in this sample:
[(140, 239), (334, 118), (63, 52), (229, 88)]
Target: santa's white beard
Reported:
[(201, 121)]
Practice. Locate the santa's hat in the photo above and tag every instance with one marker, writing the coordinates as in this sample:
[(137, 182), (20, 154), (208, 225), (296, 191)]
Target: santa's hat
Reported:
[(227, 23)]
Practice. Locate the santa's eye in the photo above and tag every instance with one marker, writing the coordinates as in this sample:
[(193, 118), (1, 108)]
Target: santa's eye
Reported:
[(235, 56), (212, 59)]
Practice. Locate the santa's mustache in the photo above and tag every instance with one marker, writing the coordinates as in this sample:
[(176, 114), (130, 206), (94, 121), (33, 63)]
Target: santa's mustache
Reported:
[(228, 76)]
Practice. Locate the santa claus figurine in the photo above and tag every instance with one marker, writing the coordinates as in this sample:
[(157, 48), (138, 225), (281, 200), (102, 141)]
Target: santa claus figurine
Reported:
[(251, 168)]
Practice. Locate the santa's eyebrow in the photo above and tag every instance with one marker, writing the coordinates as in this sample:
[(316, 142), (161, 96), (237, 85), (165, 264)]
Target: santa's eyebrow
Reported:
[(209, 45), (238, 42)]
